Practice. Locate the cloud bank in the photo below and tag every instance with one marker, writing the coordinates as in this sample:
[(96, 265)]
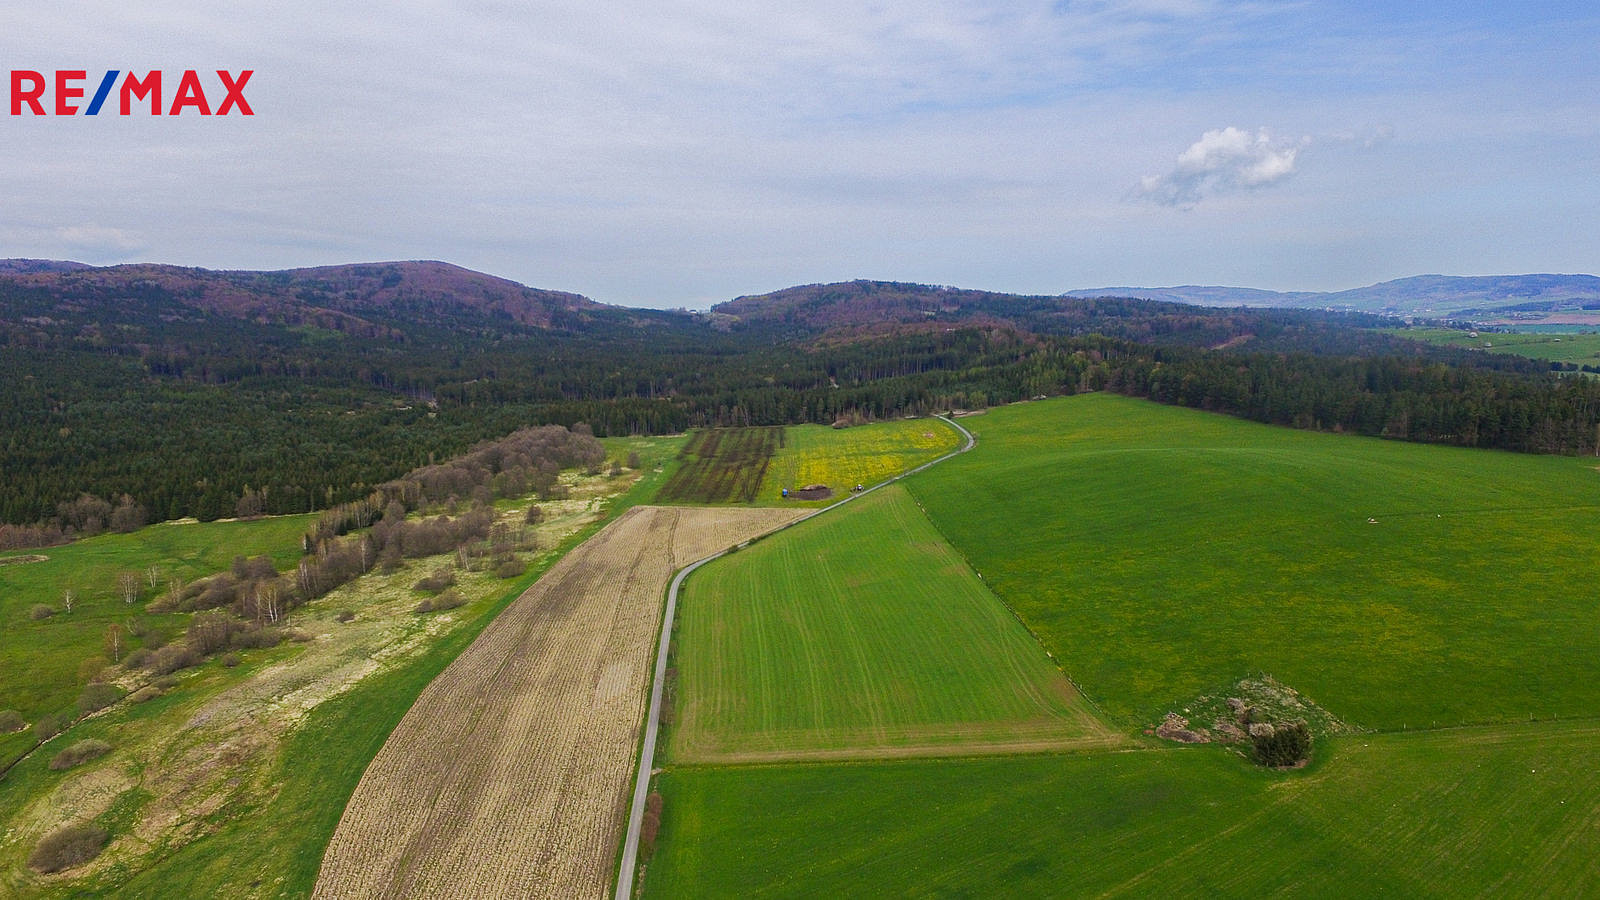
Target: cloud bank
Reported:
[(1223, 161)]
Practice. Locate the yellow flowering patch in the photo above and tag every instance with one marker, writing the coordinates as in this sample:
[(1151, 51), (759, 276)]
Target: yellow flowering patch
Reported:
[(843, 458)]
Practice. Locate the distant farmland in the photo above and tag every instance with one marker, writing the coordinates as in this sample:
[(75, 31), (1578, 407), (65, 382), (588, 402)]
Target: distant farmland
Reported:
[(722, 465), (860, 634)]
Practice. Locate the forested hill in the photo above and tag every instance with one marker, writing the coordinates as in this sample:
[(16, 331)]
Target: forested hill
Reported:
[(169, 392), (372, 299)]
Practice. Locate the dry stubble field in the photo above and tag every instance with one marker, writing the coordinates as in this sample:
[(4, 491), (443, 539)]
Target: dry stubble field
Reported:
[(509, 776)]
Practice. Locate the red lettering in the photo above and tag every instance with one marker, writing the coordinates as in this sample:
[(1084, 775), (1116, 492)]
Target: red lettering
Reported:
[(30, 96), (150, 87), (190, 94), (65, 92), (235, 92)]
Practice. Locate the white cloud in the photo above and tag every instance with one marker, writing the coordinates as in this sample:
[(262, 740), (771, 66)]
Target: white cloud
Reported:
[(1223, 161)]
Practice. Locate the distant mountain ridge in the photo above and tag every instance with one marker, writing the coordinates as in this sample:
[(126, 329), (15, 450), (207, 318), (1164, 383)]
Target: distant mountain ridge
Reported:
[(1418, 295), (371, 299)]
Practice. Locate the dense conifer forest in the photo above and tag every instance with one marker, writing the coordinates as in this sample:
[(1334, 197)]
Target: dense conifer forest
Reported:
[(166, 393)]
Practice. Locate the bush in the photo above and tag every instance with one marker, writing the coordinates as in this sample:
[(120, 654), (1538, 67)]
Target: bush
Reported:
[(651, 826), (79, 753), (41, 611), (95, 668), (511, 568), (438, 581), (66, 847), (11, 720), (137, 658), (173, 657), (49, 726), (148, 692), (450, 599), (229, 659), (534, 515), (165, 682), (1282, 745), (346, 615), (257, 638), (97, 696)]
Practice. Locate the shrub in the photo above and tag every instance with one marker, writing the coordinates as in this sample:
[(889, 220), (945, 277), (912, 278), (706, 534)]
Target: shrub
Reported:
[(449, 599), (41, 611), (1282, 745), (173, 657), (66, 847), (148, 692), (534, 515), (49, 726), (229, 659), (346, 615), (438, 581), (137, 658), (651, 826), (97, 696), (257, 638), (11, 720), (511, 568), (94, 669), (166, 682), (79, 753)]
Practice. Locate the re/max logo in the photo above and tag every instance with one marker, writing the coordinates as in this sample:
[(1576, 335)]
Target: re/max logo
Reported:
[(29, 90)]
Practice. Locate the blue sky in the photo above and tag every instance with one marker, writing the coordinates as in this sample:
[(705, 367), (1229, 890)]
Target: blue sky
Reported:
[(681, 153)]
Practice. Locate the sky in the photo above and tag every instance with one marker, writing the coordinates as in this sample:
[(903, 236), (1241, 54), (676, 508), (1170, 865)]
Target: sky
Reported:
[(663, 153)]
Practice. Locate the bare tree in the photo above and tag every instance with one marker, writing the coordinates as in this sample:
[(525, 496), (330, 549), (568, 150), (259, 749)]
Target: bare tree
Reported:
[(268, 602), (114, 642), (152, 576), (68, 597), (128, 586)]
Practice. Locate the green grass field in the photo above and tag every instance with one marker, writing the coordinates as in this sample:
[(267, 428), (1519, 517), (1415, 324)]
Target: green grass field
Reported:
[(1581, 349), (1502, 810), (1161, 553), (844, 457), (861, 633), (39, 659)]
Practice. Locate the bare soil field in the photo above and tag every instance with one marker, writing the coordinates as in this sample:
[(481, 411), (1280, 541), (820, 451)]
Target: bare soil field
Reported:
[(509, 776)]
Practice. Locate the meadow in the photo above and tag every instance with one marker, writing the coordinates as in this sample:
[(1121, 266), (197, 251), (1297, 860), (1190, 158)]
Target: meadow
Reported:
[(1162, 553), (861, 633), (264, 755), (40, 658), (1569, 347), (1504, 810)]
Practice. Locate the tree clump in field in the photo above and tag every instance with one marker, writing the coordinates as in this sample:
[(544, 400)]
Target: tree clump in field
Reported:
[(11, 720), (68, 847), (79, 753), (1280, 746)]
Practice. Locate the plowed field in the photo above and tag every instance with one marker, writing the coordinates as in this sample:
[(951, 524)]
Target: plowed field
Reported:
[(509, 776)]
